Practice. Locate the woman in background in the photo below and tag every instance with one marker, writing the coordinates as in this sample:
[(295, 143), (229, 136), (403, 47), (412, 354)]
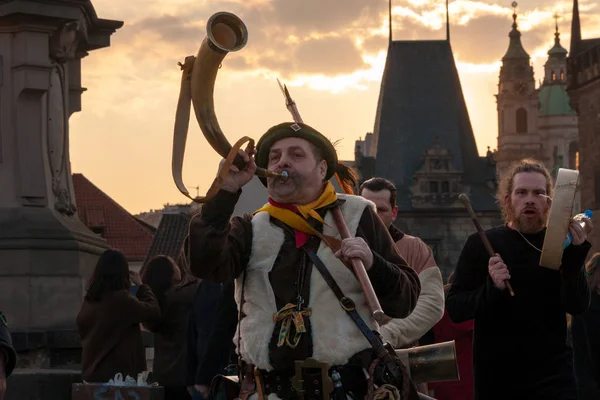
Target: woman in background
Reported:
[(109, 319), (175, 298)]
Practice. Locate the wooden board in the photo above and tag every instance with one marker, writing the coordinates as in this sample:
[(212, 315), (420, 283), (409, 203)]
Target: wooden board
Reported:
[(84, 391), (559, 218)]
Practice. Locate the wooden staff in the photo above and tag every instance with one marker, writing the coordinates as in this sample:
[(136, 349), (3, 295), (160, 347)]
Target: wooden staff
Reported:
[(359, 270), (488, 246), (357, 265)]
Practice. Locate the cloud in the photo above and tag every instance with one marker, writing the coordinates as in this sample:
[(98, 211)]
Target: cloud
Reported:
[(329, 55), (331, 15)]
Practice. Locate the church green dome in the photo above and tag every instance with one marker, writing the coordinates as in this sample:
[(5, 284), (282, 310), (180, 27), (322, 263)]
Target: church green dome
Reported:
[(554, 100)]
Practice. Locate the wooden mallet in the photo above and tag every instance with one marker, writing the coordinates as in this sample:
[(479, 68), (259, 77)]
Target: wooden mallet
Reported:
[(488, 246)]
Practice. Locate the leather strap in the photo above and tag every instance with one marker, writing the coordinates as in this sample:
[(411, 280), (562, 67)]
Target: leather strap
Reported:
[(398, 373), (346, 303)]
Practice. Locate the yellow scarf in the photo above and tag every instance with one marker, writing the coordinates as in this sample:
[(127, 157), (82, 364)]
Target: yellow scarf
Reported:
[(299, 222)]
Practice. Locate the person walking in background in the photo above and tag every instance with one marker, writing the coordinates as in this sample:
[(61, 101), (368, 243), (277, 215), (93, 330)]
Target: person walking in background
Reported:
[(210, 336), (585, 330), (109, 320), (175, 298), (462, 334)]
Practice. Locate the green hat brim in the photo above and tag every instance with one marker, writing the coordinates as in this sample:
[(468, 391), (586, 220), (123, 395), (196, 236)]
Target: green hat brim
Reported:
[(290, 129)]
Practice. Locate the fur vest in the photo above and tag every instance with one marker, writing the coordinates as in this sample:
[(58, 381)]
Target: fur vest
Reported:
[(335, 336)]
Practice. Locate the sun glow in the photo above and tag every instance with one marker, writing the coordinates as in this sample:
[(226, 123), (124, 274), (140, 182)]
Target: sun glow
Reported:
[(356, 80)]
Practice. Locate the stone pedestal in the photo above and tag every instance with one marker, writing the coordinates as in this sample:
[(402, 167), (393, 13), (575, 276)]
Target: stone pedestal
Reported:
[(46, 252)]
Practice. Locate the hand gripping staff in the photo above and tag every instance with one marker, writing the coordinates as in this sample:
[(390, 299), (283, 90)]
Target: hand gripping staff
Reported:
[(488, 246)]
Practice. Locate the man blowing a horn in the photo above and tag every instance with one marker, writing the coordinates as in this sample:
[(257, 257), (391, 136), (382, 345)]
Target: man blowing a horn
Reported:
[(289, 312), (520, 348)]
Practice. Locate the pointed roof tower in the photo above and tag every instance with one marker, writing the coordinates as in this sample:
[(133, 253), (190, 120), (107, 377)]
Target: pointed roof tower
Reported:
[(422, 119), (516, 63), (515, 48)]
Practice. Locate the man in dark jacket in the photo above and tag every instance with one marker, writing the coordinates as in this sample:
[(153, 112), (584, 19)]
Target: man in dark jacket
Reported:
[(8, 357), (520, 346)]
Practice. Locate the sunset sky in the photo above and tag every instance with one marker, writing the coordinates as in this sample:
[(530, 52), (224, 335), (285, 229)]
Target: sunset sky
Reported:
[(331, 53)]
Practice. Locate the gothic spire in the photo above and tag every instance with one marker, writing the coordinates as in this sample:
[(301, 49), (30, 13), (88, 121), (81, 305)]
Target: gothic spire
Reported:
[(557, 50), (447, 22), (575, 29), (390, 16)]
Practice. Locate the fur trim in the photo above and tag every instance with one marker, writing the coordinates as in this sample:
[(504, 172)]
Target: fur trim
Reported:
[(335, 336), (259, 305), (402, 333)]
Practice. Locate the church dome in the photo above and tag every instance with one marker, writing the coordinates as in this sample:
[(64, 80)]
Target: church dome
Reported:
[(554, 100)]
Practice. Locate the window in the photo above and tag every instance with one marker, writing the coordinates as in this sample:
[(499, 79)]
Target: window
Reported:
[(574, 155), (433, 187), (521, 120), (445, 187), (553, 76), (562, 75)]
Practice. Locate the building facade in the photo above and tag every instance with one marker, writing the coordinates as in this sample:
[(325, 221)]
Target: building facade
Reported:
[(583, 86)]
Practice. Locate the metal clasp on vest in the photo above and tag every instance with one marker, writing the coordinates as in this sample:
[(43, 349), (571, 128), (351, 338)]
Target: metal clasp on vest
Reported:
[(347, 304)]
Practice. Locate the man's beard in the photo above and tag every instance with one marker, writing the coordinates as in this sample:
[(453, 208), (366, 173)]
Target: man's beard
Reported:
[(527, 225)]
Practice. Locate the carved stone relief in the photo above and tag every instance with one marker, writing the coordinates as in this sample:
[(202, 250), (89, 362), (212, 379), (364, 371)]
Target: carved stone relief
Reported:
[(65, 40), (63, 45), (436, 183)]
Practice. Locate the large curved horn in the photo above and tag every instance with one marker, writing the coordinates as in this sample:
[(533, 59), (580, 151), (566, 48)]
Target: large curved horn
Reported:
[(225, 33)]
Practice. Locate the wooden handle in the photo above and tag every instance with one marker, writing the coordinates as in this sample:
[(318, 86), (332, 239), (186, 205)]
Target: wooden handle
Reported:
[(486, 243), (359, 270)]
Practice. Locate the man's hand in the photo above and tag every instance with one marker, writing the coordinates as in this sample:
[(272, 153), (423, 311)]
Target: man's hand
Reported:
[(355, 248), (238, 178), (498, 271), (579, 233)]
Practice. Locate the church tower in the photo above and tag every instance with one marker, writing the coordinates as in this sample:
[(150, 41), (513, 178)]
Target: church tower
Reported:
[(517, 105), (558, 122)]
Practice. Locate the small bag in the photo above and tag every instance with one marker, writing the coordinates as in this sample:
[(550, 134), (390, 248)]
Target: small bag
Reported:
[(225, 387)]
